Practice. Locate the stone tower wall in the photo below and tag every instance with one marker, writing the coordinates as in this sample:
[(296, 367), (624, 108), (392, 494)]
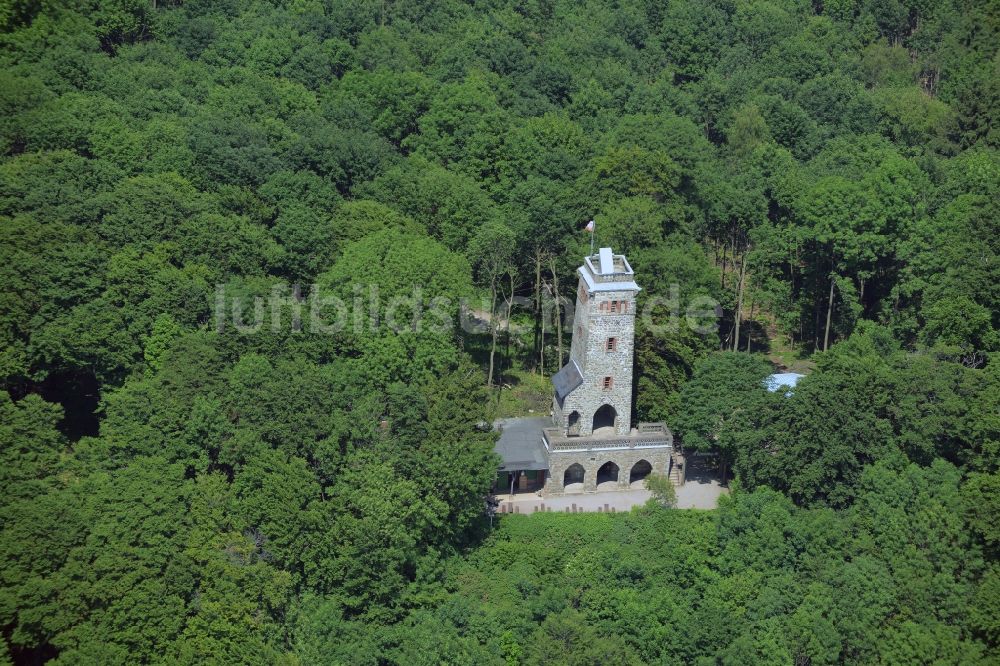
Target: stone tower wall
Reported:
[(591, 330), (595, 321)]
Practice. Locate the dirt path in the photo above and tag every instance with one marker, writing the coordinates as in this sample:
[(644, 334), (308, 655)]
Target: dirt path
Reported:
[(482, 318)]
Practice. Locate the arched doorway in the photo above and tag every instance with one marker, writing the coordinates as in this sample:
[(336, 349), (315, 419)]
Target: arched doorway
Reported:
[(607, 472), (605, 417), (640, 471), (574, 424), (573, 474)]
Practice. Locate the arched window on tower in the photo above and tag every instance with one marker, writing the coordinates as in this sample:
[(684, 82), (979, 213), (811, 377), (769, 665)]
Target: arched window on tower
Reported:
[(605, 417)]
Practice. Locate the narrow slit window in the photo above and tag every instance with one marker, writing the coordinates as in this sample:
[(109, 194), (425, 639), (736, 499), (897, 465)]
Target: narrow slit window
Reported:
[(609, 383), (612, 344)]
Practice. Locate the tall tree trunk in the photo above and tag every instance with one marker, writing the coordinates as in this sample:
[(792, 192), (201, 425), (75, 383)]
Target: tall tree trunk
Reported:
[(753, 302), (796, 294), (493, 330), (538, 305), (816, 311), (510, 308), (541, 349), (725, 247), (509, 303), (739, 301), (558, 309), (829, 314)]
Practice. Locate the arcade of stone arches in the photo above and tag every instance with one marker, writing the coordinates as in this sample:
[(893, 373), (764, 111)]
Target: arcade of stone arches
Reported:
[(608, 472)]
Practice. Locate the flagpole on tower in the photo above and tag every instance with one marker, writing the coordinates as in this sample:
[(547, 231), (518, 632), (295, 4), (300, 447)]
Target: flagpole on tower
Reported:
[(590, 228)]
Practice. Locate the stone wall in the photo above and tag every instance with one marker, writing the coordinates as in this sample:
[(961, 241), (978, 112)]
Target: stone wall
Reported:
[(591, 330), (591, 461), (593, 325)]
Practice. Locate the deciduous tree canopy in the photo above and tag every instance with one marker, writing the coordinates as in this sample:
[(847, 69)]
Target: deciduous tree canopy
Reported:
[(208, 458)]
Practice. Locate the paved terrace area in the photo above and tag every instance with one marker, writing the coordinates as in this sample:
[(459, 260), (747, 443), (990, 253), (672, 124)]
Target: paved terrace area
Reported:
[(697, 493)]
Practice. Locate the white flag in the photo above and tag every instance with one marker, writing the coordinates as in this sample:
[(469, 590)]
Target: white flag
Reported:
[(590, 226)]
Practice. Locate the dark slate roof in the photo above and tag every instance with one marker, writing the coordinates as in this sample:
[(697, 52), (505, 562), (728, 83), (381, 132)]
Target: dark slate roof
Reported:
[(567, 379), (520, 444)]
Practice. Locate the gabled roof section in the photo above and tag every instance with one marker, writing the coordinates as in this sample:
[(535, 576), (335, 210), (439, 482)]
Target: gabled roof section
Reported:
[(567, 379), (520, 445)]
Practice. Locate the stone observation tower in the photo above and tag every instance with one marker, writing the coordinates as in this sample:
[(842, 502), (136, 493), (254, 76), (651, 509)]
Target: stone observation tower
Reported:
[(592, 441)]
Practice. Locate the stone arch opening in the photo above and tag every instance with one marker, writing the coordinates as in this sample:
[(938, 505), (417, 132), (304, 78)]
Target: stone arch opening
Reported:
[(574, 424), (605, 417), (640, 471), (573, 474), (607, 472)]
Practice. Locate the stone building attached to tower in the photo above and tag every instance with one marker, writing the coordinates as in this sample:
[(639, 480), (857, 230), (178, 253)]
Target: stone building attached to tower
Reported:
[(590, 441)]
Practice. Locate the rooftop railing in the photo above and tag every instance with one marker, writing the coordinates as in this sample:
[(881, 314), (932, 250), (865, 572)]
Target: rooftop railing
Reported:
[(645, 435), (620, 269)]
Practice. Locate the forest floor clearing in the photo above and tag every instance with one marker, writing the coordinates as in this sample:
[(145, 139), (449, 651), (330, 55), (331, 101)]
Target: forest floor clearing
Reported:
[(481, 318), (785, 355), (524, 393)]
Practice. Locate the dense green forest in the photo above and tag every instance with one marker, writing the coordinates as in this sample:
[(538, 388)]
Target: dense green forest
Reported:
[(177, 488)]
